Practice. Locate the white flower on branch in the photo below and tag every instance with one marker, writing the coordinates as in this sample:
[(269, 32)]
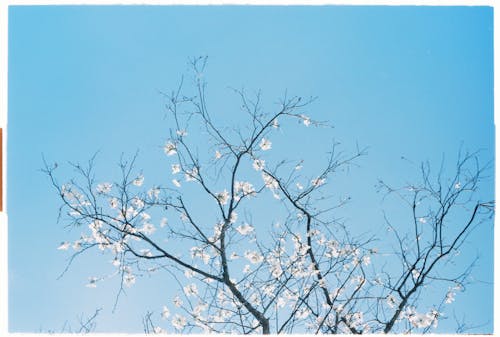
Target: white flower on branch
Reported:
[(280, 302), (170, 149), (303, 312), (366, 260), (191, 290), (306, 120), (422, 220), (318, 181), (179, 322), (116, 262), (146, 252), (197, 252), (176, 183), (139, 180), (421, 320), (165, 313), (77, 245), (275, 123), (104, 188), (92, 282), (258, 164), (177, 301), (245, 229), (198, 309), (245, 187), (450, 297), (269, 181), (113, 203), (223, 197), (64, 246), (181, 133), (255, 299), (176, 168), (163, 222), (218, 155), (158, 330), (265, 144), (191, 175), (129, 279), (233, 217), (138, 202), (391, 300), (254, 257), (458, 186), (188, 273)]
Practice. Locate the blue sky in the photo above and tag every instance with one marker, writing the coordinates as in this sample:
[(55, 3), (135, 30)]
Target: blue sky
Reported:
[(404, 81)]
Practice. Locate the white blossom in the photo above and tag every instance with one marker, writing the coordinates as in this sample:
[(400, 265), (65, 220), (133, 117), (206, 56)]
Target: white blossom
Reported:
[(165, 313), (223, 197), (181, 133), (258, 164), (179, 322), (77, 245), (366, 260), (306, 120), (303, 312), (218, 155), (139, 180), (200, 253), (170, 148), (245, 187), (265, 144), (92, 282), (104, 188), (113, 202), (148, 228), (163, 222), (64, 246), (191, 175), (318, 181), (176, 183), (188, 273), (422, 320), (177, 301), (450, 297), (391, 301), (245, 229), (253, 257), (269, 181), (176, 168), (129, 279), (233, 217), (158, 330), (275, 123), (138, 203), (191, 290)]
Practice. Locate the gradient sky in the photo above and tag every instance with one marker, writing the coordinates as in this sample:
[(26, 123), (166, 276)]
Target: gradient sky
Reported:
[(405, 81)]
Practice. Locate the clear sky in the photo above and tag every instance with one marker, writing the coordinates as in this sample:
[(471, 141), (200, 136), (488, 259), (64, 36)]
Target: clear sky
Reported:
[(405, 81)]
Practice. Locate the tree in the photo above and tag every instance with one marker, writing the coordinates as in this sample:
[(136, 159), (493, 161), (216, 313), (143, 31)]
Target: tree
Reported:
[(242, 271)]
